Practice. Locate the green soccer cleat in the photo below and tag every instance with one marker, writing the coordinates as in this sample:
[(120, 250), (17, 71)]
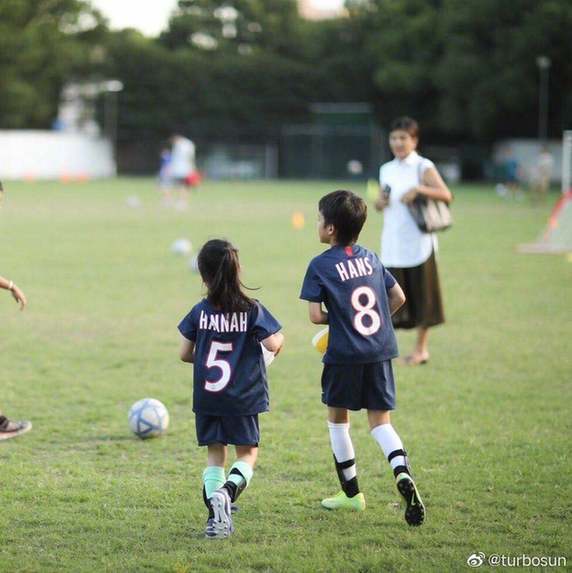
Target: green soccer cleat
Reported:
[(415, 510), (342, 501)]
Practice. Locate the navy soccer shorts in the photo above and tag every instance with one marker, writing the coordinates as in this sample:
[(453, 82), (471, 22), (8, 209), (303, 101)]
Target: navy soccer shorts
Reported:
[(359, 386), (235, 430)]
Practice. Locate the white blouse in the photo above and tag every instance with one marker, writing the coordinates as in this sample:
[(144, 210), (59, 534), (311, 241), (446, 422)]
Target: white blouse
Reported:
[(403, 245)]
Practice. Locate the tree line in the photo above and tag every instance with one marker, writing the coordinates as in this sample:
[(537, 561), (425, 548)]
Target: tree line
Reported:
[(466, 69)]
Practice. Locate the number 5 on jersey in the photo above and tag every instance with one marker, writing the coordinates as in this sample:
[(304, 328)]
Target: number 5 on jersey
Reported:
[(215, 362)]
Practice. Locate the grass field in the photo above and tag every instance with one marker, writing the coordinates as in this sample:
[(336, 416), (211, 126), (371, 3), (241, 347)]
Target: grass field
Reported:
[(487, 422)]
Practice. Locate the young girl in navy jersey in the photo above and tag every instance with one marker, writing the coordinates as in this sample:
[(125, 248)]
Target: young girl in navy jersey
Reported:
[(223, 337)]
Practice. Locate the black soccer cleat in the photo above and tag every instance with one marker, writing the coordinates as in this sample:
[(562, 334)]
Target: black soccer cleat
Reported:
[(414, 510)]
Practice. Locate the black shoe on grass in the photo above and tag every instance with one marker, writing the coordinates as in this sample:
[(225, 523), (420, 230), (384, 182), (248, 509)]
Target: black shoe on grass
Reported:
[(10, 429), (414, 510)]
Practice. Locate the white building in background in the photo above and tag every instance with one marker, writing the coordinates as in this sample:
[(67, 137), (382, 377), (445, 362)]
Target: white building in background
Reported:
[(76, 113), (33, 154), (73, 150)]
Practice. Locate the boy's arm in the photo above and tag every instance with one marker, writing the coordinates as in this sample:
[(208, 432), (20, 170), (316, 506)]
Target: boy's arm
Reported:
[(274, 343), (317, 315), (396, 298), (187, 352)]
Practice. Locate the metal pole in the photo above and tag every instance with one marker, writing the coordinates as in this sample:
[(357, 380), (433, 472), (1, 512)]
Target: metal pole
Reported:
[(543, 64), (112, 89), (567, 161)]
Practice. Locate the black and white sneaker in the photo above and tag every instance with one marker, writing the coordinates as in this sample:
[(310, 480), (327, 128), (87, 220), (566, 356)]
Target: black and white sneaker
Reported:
[(11, 429), (222, 522), (414, 510)]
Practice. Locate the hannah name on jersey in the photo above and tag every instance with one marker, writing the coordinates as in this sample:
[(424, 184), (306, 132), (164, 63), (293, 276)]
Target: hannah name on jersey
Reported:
[(229, 376)]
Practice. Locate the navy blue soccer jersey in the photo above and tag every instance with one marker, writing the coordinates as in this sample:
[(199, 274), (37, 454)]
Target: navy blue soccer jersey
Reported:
[(352, 283), (229, 371)]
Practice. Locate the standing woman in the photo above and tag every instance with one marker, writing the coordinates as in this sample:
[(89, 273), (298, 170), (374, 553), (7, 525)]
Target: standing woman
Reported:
[(407, 252)]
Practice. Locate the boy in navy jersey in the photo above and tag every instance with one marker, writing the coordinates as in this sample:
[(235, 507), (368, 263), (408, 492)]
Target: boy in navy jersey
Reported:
[(222, 337), (360, 296)]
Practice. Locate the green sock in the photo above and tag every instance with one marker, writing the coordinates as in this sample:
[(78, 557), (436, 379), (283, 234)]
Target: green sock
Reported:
[(237, 478), (213, 478)]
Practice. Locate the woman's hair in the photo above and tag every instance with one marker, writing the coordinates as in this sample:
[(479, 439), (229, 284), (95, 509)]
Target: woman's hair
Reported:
[(407, 124), (220, 271)]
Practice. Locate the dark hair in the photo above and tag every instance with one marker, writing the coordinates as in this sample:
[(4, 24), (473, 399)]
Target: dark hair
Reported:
[(219, 268), (407, 124), (346, 212)]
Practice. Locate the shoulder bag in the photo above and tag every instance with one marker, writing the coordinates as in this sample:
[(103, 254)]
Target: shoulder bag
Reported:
[(430, 215)]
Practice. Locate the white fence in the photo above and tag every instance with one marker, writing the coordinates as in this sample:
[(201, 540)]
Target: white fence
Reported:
[(54, 155)]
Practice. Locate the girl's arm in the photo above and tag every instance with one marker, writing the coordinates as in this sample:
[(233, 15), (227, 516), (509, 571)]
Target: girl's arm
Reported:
[(18, 295), (187, 352), (432, 186), (317, 315), (274, 343), (396, 298)]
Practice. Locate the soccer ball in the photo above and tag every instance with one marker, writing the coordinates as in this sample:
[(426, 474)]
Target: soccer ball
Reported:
[(182, 247), (148, 418), (355, 167), (133, 201)]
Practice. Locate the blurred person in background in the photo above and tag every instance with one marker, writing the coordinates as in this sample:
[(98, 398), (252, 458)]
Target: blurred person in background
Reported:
[(543, 174), (182, 166), (11, 428), (406, 252), (164, 178), (512, 172)]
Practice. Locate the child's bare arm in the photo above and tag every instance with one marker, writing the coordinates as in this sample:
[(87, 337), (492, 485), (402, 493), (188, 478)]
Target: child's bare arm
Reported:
[(187, 352), (274, 343), (396, 298), (18, 295), (317, 315)]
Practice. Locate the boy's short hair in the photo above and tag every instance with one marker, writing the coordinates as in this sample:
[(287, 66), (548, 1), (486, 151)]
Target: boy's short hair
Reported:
[(346, 211)]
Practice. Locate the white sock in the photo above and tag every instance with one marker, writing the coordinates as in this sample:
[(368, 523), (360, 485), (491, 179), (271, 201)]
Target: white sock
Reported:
[(342, 447), (389, 441)]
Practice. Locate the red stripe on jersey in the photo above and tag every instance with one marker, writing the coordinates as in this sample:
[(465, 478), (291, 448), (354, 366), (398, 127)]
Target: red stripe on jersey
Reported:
[(349, 251)]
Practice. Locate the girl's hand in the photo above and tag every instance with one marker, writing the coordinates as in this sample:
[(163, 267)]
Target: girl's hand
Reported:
[(410, 196), (19, 296)]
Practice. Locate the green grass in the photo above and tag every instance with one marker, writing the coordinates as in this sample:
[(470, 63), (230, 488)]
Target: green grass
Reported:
[(487, 422)]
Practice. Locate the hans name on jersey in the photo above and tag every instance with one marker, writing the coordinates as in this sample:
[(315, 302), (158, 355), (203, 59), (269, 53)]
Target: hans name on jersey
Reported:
[(354, 268), (230, 322)]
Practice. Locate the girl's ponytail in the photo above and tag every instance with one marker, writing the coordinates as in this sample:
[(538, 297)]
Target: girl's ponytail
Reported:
[(220, 270)]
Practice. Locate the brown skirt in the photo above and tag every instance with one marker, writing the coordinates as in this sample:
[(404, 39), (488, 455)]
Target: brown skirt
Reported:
[(424, 305)]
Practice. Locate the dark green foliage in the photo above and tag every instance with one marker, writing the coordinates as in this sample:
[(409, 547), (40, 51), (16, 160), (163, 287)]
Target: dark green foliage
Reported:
[(43, 44), (466, 70)]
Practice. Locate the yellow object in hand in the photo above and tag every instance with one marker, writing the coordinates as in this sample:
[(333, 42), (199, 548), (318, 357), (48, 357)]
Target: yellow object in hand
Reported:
[(320, 340)]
